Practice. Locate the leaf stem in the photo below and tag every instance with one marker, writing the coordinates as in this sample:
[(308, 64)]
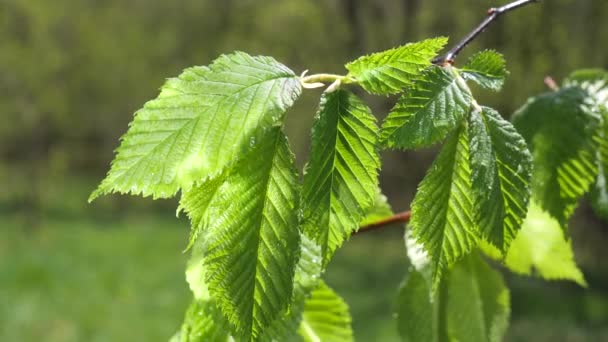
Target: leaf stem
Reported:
[(493, 14), (402, 217), (319, 80)]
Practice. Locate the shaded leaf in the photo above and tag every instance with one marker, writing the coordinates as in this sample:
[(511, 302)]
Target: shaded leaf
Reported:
[(417, 315), (430, 109), (595, 82), (390, 71), (199, 124), (478, 302), (561, 129), (203, 323), (341, 178)]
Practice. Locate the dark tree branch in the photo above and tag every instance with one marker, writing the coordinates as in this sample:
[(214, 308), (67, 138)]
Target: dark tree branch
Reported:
[(493, 14), (403, 217)]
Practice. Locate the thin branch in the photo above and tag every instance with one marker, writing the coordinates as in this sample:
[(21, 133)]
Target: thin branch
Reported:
[(403, 217), (493, 14)]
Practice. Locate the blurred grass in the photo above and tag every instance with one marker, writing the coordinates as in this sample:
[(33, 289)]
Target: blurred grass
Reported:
[(119, 277), (75, 280)]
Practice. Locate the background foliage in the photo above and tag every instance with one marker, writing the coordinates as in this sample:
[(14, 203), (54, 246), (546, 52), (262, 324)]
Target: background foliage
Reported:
[(72, 72)]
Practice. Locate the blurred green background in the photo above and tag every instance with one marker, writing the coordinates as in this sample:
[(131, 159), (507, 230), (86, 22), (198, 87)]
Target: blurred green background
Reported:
[(72, 72)]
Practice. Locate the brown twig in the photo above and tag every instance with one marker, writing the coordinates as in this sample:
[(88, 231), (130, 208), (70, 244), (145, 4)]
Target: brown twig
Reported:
[(403, 217), (493, 14)]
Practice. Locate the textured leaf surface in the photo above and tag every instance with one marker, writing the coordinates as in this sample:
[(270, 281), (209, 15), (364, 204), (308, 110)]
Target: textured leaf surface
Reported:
[(417, 315), (430, 109), (326, 317), (390, 71), (199, 124), (196, 203), (487, 68), (379, 210), (562, 130), (341, 178), (308, 272), (595, 82), (442, 211), (540, 245), (478, 302), (252, 245), (501, 169)]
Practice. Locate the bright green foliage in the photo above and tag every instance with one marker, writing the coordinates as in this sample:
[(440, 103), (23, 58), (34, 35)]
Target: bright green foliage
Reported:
[(442, 211), (487, 68), (595, 82), (540, 245), (199, 124), (203, 323), (562, 130), (501, 168), (379, 210), (326, 317), (306, 280), (341, 179), (197, 201), (251, 248), (472, 305), (478, 302), (390, 71), (432, 107), (417, 314)]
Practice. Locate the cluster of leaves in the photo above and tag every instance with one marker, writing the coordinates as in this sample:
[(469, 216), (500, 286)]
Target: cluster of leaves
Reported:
[(262, 234)]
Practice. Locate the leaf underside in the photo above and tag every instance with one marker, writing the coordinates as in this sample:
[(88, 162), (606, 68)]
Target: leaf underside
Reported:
[(326, 317), (390, 71), (431, 108), (541, 246), (199, 124), (341, 179)]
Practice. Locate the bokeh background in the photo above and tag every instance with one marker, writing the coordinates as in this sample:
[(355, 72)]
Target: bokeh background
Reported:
[(72, 72)]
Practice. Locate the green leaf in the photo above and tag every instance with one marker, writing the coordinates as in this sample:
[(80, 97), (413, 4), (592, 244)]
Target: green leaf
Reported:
[(308, 272), (478, 302), (599, 192), (487, 68), (379, 210), (501, 169), (562, 130), (252, 245), (326, 317), (595, 82), (442, 211), (341, 178), (196, 204), (541, 245), (390, 71), (200, 123), (203, 323), (417, 314), (430, 109)]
